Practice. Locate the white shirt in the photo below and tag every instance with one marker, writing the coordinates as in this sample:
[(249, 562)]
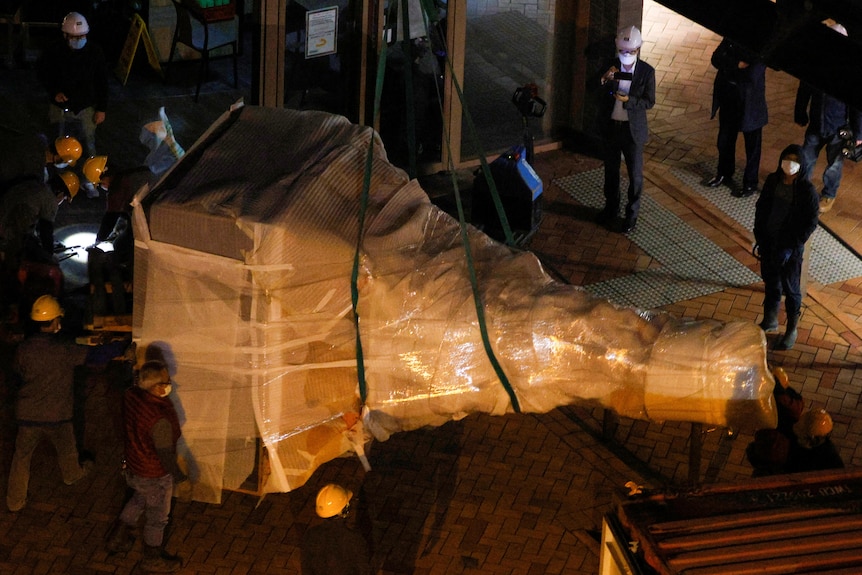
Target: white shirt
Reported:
[(619, 113)]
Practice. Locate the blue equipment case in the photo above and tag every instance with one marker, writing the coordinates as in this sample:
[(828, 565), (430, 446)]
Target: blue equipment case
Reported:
[(520, 190)]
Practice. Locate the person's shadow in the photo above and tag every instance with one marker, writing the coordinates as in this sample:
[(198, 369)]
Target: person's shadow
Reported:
[(413, 478)]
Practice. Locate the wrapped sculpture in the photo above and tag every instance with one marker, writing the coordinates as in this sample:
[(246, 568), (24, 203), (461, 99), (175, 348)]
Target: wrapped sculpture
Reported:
[(244, 261)]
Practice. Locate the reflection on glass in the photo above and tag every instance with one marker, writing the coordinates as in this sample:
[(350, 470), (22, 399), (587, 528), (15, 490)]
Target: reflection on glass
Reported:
[(504, 50)]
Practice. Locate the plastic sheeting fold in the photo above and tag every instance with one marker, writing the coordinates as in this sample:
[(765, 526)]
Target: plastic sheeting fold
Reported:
[(243, 264)]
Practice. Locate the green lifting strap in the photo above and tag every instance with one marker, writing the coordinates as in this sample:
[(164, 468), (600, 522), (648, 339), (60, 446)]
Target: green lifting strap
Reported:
[(366, 185), (407, 48), (363, 206)]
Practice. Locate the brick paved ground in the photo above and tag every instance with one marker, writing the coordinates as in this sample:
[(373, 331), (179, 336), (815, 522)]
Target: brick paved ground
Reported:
[(494, 495)]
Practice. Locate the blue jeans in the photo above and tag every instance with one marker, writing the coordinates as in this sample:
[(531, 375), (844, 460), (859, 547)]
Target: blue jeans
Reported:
[(782, 279), (153, 497), (62, 438), (834, 160)]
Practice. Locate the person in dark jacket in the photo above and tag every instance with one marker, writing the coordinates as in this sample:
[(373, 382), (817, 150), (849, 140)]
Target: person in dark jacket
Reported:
[(785, 215), (74, 73), (152, 430), (824, 116), (111, 258), (333, 547), (769, 452), (44, 408), (628, 91), (739, 98)]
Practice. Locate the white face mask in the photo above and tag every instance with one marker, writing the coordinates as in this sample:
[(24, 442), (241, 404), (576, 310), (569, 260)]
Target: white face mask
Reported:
[(789, 167), (627, 59), (165, 391)]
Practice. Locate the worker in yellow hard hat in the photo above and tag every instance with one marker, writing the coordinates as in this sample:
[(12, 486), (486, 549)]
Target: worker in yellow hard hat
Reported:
[(333, 547), (813, 449)]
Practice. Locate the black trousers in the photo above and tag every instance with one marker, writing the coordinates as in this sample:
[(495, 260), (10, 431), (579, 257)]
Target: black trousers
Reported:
[(619, 141), (729, 126)]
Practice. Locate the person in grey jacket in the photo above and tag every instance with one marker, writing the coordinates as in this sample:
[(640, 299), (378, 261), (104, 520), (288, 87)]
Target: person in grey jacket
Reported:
[(824, 116), (628, 87)]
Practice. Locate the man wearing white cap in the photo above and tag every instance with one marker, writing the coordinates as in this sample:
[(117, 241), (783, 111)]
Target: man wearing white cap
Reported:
[(628, 91), (74, 73)]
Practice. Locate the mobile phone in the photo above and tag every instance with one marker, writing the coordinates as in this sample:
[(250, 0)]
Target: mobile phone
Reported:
[(622, 75)]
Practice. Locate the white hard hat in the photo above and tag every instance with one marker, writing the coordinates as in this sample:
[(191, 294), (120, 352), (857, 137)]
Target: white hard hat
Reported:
[(629, 38), (74, 24)]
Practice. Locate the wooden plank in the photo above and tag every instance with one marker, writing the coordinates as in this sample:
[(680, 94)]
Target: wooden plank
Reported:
[(758, 533)]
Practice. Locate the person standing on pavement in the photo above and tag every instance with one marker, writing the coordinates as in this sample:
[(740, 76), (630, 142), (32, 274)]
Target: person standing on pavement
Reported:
[(44, 409), (75, 75), (333, 547), (785, 215), (627, 92), (151, 432), (824, 116), (739, 98)]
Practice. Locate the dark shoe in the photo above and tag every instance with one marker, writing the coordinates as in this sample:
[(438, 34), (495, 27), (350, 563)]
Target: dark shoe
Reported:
[(787, 340), (790, 334), (157, 560), (84, 456), (605, 217), (745, 192), (770, 320), (85, 470), (629, 225), (716, 181)]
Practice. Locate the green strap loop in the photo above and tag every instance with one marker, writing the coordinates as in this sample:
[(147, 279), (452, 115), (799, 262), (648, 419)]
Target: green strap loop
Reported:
[(363, 207)]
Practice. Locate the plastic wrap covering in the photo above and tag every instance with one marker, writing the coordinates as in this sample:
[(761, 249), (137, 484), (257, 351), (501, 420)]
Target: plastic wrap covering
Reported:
[(243, 266)]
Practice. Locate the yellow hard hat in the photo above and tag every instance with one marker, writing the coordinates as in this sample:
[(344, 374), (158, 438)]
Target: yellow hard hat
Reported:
[(813, 427), (72, 182), (94, 167), (781, 377), (68, 149), (332, 499), (45, 308)]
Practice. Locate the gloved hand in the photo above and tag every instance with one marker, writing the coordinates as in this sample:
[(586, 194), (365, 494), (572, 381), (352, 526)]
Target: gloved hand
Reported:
[(801, 118)]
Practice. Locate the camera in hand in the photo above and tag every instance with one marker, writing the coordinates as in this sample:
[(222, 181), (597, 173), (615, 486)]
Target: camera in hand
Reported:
[(622, 76), (849, 148)]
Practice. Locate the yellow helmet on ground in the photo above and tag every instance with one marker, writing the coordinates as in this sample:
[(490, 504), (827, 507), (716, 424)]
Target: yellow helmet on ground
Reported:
[(68, 149), (332, 499), (46, 308), (73, 184), (94, 167), (813, 428)]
